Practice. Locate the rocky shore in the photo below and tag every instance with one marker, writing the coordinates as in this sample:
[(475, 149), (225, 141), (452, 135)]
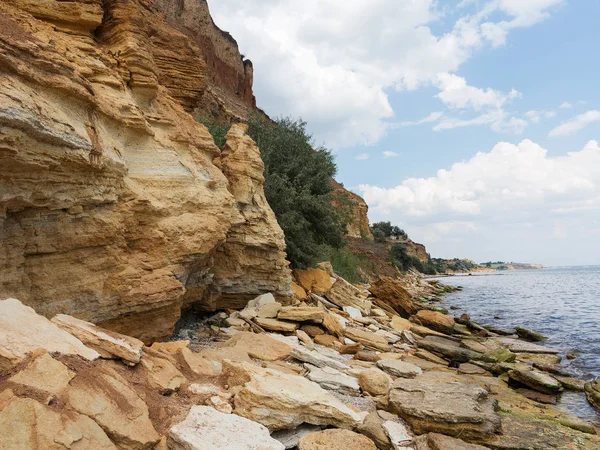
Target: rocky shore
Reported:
[(340, 366)]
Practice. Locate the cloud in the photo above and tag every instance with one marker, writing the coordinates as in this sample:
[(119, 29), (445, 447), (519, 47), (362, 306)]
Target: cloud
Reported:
[(512, 202), (456, 93), (389, 154), (566, 105), (576, 124), (362, 157), (433, 117), (498, 120), (509, 182), (310, 61), (535, 116)]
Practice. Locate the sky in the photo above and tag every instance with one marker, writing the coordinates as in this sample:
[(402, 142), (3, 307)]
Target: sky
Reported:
[(472, 124)]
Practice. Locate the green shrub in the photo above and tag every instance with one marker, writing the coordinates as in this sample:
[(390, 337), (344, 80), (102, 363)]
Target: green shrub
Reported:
[(378, 235), (218, 130), (298, 188), (388, 230), (345, 263)]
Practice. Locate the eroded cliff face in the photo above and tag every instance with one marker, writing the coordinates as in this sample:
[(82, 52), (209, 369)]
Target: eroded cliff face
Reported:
[(115, 204), (354, 209)]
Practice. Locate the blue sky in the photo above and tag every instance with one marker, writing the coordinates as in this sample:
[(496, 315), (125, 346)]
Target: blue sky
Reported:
[(472, 124)]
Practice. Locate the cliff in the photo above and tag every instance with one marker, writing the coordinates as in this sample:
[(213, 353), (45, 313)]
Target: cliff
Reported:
[(115, 204), (354, 209)]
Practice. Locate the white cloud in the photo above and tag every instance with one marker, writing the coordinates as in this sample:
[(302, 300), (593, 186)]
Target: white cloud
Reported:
[(498, 120), (575, 124), (389, 154), (362, 156), (311, 61), (510, 178), (511, 196), (566, 105), (433, 117), (535, 116), (456, 93)]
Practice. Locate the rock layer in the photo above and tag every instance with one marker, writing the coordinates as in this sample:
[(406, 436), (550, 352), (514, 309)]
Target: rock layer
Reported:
[(116, 206)]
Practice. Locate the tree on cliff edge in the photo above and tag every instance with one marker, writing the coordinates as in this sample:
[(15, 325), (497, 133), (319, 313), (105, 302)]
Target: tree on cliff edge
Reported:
[(298, 187)]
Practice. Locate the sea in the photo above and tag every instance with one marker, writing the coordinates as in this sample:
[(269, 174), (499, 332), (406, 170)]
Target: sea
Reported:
[(561, 302)]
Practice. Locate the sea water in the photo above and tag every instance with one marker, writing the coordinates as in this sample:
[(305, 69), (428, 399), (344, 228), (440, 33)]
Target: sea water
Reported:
[(563, 303)]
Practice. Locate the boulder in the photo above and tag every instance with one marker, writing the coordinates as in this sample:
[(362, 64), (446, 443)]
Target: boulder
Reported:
[(435, 441), (374, 381), (436, 321), (29, 425), (366, 355), (108, 343), (450, 351), (326, 340), (336, 439), (398, 368), (538, 381), (529, 335), (343, 294), (200, 365), (282, 401), (259, 346), (368, 339), (372, 427), (333, 380), (112, 404), (592, 392), (435, 404), (45, 373), (161, 372), (313, 280), (400, 324), (304, 337), (314, 330), (206, 427), (334, 324), (299, 291), (290, 438), (276, 325), (22, 331), (350, 349), (392, 293), (301, 313)]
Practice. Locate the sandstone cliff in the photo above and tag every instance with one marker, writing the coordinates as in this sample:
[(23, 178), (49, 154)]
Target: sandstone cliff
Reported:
[(115, 204), (354, 209)]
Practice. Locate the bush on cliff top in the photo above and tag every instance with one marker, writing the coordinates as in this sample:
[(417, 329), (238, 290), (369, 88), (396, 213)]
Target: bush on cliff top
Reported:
[(297, 186)]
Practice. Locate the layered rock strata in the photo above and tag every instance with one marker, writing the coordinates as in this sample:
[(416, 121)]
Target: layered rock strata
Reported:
[(115, 204)]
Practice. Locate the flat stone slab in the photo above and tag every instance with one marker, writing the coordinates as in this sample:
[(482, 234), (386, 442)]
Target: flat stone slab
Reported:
[(537, 381), (108, 343), (518, 346), (301, 313), (206, 426), (333, 380), (317, 358), (440, 406), (276, 325), (22, 331), (399, 368)]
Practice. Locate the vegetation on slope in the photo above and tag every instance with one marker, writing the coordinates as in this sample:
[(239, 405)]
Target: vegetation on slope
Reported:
[(298, 188)]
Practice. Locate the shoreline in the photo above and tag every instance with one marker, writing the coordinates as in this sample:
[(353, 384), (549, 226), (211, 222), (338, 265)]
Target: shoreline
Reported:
[(383, 365)]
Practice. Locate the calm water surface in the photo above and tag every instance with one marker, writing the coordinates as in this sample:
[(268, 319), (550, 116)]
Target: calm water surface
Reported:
[(562, 303)]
